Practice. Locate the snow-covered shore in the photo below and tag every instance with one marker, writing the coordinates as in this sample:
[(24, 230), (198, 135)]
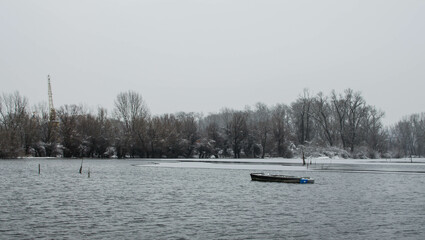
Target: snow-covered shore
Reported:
[(312, 164)]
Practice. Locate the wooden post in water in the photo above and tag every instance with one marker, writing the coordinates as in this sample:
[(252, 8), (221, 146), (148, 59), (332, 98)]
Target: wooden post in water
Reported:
[(39, 169), (89, 173), (81, 167)]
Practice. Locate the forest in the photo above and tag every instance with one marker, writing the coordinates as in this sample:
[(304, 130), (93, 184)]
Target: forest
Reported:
[(334, 125)]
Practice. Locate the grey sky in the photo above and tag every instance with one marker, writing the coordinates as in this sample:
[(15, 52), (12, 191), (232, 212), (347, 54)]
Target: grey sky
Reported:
[(201, 56)]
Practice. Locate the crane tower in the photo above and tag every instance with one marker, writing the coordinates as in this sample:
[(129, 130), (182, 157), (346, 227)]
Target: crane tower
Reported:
[(52, 111), (53, 126)]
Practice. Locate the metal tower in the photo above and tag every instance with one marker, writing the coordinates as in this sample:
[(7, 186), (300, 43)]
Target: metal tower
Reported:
[(53, 126), (52, 111)]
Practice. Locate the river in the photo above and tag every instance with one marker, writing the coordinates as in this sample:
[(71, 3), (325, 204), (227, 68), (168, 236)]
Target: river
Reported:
[(185, 199)]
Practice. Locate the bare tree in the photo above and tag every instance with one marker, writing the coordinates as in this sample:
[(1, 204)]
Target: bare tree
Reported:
[(419, 126), (238, 131), (373, 132), (71, 138), (324, 117), (410, 135), (357, 111), (301, 110), (188, 132), (131, 109), (261, 118), (226, 128), (95, 132), (153, 136), (48, 132), (406, 137), (280, 127), (212, 141), (104, 134), (13, 118), (169, 136), (340, 109)]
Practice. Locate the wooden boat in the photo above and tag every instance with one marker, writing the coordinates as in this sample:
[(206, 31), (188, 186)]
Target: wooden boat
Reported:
[(266, 177)]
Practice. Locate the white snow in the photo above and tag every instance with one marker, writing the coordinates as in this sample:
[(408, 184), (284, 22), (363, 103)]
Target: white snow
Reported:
[(279, 163)]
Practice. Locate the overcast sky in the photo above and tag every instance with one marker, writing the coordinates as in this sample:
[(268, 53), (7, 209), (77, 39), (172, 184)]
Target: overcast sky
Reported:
[(201, 56)]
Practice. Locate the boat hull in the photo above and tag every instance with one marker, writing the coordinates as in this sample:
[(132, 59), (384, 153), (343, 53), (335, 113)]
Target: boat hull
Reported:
[(280, 178)]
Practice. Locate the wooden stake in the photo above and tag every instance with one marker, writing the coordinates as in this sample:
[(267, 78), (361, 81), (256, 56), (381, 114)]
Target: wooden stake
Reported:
[(81, 167), (89, 173), (39, 169)]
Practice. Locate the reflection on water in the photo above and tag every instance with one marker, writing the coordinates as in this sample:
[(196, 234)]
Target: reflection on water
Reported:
[(191, 200)]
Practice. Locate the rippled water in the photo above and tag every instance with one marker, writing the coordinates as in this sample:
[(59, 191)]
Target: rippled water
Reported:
[(125, 199)]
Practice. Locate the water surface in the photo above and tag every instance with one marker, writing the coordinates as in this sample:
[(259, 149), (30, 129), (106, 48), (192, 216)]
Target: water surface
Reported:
[(137, 199)]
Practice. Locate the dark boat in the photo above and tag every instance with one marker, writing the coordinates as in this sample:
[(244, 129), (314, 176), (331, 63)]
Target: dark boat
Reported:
[(265, 177)]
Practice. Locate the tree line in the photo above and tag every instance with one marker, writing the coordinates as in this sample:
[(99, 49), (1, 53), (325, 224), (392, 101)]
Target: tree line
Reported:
[(341, 124)]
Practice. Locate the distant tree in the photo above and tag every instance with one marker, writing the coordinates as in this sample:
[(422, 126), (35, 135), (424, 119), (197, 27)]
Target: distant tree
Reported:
[(357, 111), (251, 145), (104, 134), (153, 131), (323, 115), (342, 120), (96, 134), (170, 136), (374, 133), (71, 138), (131, 109), (410, 135), (86, 128), (46, 146), (212, 136), (301, 110), (226, 116), (188, 132), (406, 137), (13, 119), (280, 127), (419, 126), (31, 135), (357, 124), (121, 139), (340, 109), (262, 126), (238, 131)]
